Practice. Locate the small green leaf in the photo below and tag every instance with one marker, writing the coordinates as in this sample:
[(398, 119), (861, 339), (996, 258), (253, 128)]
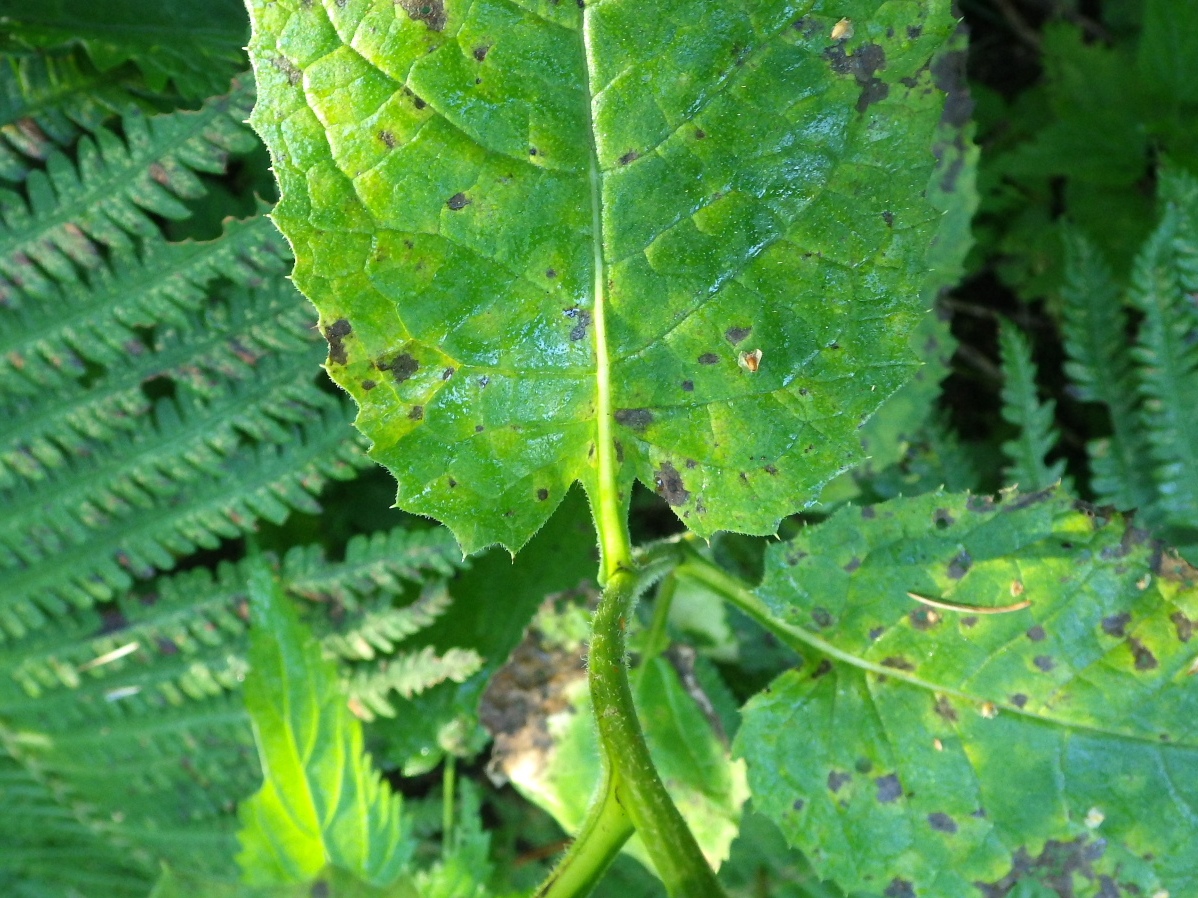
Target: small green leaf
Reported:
[(321, 803), (697, 230), (947, 752)]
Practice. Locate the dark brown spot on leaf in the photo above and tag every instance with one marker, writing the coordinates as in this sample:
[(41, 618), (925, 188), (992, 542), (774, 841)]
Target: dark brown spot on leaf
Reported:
[(388, 139), (923, 618), (402, 367), (771, 470), (417, 413), (888, 217), (1019, 700), (1044, 663), (798, 804), (822, 617), (889, 788), (1145, 660), (700, 134), (869, 513), (1185, 626), (874, 91), (630, 156), (708, 358), (836, 779), (969, 621), (542, 494), (688, 386), (914, 31), (634, 418), (1116, 624), (899, 888), (945, 709), (876, 633), (368, 385), (320, 889), (480, 53), (735, 334), (853, 564), (942, 519), (942, 823), (1036, 634), (335, 334), (447, 373), (458, 201), (550, 273), (582, 322), (288, 68), (825, 667), (959, 566), (430, 12), (670, 486), (897, 663)]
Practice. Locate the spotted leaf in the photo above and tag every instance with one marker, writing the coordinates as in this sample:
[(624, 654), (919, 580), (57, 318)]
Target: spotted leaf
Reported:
[(697, 231), (948, 751)]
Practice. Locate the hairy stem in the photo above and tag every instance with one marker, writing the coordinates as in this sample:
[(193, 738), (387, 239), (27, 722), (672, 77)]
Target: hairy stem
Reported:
[(602, 835), (670, 843)]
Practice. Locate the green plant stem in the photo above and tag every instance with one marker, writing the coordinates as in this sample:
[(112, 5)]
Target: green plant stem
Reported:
[(602, 835), (447, 805), (669, 841), (657, 640)]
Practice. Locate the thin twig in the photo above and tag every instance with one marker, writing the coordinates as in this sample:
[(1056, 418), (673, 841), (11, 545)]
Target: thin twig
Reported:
[(970, 609)]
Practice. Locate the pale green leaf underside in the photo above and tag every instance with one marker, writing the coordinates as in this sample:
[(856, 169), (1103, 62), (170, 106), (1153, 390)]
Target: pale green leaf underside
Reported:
[(458, 179), (950, 754), (321, 802)]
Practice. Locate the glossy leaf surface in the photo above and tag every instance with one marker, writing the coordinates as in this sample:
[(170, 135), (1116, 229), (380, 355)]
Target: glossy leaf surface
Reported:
[(522, 222), (1049, 750), (321, 802)]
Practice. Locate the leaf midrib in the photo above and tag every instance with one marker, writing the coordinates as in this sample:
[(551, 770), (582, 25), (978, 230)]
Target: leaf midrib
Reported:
[(797, 637), (608, 511)]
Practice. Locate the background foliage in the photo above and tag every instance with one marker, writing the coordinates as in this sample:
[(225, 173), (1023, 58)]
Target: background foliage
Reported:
[(166, 436)]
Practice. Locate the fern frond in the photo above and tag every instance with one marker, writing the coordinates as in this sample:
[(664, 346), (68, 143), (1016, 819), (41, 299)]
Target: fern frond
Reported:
[(1100, 367), (1022, 407), (49, 834), (40, 433), (188, 440), (262, 482), (47, 100), (49, 343), (378, 561), (1167, 358), (377, 630), (77, 209), (199, 617), (406, 675)]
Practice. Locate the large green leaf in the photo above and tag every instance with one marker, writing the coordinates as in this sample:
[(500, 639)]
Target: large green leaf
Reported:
[(321, 802), (526, 222), (940, 753)]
